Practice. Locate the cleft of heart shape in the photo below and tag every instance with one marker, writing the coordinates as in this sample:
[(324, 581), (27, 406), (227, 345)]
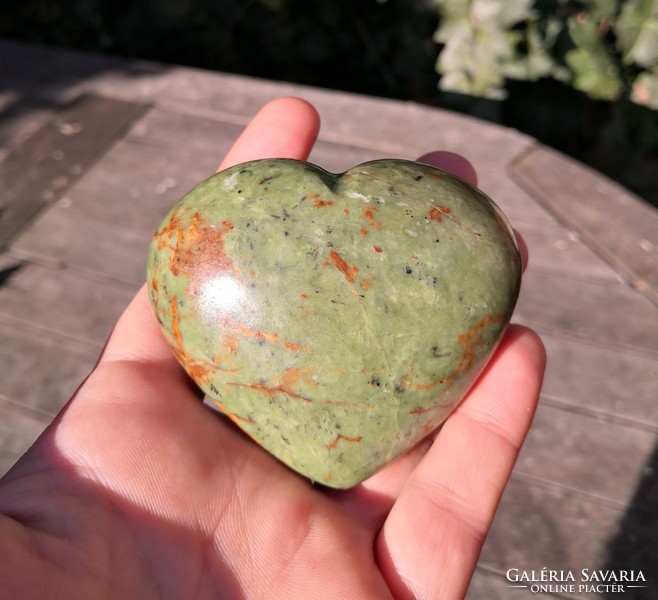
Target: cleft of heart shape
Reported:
[(336, 318)]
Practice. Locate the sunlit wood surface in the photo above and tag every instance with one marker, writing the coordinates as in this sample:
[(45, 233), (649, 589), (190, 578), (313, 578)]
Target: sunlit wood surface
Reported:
[(93, 152)]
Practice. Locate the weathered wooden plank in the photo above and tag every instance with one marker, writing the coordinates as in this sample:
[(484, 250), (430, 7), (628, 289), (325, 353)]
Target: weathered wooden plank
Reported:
[(206, 138), (58, 74), (20, 118), (351, 119), (41, 370), (515, 202), (379, 126), (142, 176), (61, 301), (559, 529), (634, 541), (618, 226), (601, 381), (136, 184), (43, 167), (409, 131), (19, 428), (199, 136), (540, 526), (604, 313), (99, 249), (196, 137), (554, 249), (560, 446), (385, 125), (205, 134)]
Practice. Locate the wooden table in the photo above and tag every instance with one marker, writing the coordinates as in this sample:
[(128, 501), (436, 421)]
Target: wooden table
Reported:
[(93, 152)]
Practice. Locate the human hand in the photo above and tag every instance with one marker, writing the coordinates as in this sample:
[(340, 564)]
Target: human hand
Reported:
[(138, 490)]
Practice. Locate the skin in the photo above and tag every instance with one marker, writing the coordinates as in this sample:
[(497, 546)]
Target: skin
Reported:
[(137, 490)]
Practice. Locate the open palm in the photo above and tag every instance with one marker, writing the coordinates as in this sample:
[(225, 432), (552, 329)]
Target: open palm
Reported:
[(138, 490)]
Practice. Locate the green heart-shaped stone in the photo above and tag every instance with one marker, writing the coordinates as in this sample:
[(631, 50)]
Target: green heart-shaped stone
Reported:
[(336, 319)]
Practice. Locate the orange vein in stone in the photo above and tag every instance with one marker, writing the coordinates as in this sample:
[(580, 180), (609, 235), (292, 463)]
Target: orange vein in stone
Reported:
[(258, 334), (271, 338), (175, 323), (269, 390), (341, 264), (231, 415), (436, 213), (334, 443), (292, 346), (470, 340), (198, 369)]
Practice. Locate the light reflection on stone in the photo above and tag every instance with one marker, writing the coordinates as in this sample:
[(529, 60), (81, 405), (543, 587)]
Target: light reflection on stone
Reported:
[(223, 294)]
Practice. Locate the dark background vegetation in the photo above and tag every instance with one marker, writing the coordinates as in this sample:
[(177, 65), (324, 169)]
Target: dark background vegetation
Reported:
[(383, 48)]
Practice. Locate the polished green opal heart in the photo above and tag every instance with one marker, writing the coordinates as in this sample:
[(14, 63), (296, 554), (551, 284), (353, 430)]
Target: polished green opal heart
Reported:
[(336, 319)]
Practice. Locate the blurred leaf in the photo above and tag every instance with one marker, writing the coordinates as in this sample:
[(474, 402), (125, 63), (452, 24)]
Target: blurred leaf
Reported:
[(583, 31), (599, 10), (470, 63), (537, 62), (595, 72), (479, 45), (597, 80), (501, 14), (637, 32), (645, 89)]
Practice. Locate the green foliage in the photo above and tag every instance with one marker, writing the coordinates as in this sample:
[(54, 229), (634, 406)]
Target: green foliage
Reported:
[(478, 44), (637, 33), (592, 65), (605, 48), (645, 89)]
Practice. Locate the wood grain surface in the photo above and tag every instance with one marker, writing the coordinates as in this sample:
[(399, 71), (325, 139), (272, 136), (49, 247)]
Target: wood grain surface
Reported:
[(584, 491)]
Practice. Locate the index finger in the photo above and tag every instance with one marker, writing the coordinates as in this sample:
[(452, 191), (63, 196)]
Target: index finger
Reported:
[(284, 128)]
